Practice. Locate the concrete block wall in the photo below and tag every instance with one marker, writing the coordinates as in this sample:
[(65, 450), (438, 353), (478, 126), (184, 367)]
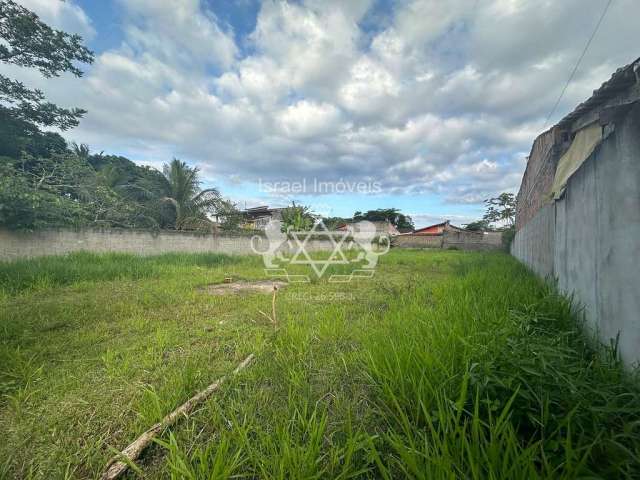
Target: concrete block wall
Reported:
[(589, 240), (472, 240), (14, 245), (451, 239), (534, 243), (538, 178), (417, 241)]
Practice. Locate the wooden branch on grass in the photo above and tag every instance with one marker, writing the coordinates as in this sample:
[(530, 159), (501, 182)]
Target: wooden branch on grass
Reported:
[(119, 464), (272, 318), (273, 305)]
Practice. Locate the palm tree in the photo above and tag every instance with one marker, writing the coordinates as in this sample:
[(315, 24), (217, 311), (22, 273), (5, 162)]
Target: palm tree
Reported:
[(81, 151), (191, 204), (297, 218)]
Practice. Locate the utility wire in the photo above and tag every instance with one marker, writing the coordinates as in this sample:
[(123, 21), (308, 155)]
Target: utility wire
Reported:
[(575, 69)]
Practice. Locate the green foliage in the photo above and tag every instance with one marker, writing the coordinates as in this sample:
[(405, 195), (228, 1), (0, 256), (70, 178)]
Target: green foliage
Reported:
[(43, 183), (508, 234), (478, 226), (501, 210), (76, 188), (391, 215), (297, 218), (229, 216), (142, 187), (192, 205), (333, 223), (37, 192), (500, 215), (18, 136), (28, 42), (47, 186), (65, 190)]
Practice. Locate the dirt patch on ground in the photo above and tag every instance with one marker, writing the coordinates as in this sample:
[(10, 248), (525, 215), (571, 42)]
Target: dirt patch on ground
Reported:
[(260, 286)]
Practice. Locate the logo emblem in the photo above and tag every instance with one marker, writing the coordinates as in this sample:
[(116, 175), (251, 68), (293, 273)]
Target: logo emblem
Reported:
[(357, 247)]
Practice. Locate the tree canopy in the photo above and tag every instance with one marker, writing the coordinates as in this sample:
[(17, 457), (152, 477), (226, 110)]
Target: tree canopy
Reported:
[(192, 206), (500, 214), (28, 42), (392, 215), (77, 188), (297, 218), (501, 210), (478, 226)]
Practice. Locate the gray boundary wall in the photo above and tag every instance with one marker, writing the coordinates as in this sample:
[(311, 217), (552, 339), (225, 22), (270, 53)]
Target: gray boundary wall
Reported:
[(589, 240), (472, 240), (15, 245), (534, 243), (451, 239), (417, 241)]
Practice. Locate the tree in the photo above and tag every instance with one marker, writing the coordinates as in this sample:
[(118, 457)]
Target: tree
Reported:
[(81, 151), (28, 42), (478, 226), (391, 215), (229, 216), (77, 188), (17, 137), (44, 192), (500, 214), (297, 218), (332, 223), (501, 210), (192, 205)]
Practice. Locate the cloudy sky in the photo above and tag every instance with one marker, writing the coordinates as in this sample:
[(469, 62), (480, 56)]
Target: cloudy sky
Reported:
[(435, 102)]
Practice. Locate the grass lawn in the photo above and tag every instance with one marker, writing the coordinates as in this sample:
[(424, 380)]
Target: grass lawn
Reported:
[(446, 364)]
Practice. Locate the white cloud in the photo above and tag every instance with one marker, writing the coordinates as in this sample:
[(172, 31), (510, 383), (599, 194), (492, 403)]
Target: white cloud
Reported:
[(309, 119), (369, 89), (424, 21), (313, 45), (442, 98), (179, 32)]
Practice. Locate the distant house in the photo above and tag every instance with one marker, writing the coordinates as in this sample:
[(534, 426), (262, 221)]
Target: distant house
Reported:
[(257, 218), (445, 235), (382, 227), (438, 229)]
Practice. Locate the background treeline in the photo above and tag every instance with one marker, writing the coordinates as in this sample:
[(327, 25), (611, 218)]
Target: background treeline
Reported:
[(45, 183), (50, 185)]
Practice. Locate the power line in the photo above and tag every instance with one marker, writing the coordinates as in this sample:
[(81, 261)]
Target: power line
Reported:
[(575, 69)]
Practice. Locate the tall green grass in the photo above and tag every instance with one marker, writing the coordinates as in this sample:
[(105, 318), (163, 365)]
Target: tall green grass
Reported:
[(497, 380), (53, 271), (444, 365), (484, 373)]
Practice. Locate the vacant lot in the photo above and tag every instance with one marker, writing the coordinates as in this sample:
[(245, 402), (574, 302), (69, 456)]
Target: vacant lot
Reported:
[(444, 365)]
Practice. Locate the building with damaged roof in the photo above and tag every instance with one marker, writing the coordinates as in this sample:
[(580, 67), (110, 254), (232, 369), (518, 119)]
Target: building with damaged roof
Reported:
[(578, 209)]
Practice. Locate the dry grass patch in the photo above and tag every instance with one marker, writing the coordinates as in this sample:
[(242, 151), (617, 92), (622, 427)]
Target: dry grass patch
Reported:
[(259, 286)]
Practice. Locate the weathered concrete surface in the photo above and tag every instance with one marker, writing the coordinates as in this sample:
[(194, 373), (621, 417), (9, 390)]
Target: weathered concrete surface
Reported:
[(15, 245), (538, 176), (417, 241), (617, 180), (472, 240), (590, 238), (534, 243), (451, 239)]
